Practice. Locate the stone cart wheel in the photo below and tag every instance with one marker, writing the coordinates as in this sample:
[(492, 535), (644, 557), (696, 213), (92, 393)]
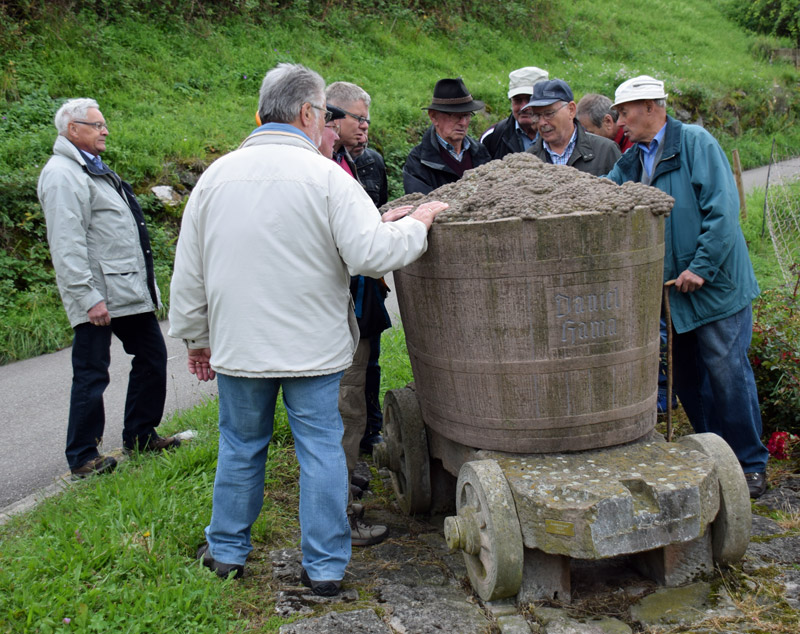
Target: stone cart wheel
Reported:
[(487, 530), (405, 452), (730, 530)]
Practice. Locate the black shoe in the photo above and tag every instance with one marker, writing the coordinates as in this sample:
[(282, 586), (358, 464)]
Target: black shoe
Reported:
[(757, 483), (154, 444), (327, 588), (356, 492), (369, 441), (95, 466), (222, 570)]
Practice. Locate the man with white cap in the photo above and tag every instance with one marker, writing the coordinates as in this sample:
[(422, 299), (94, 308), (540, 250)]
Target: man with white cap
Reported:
[(562, 140), (518, 132), (706, 255)]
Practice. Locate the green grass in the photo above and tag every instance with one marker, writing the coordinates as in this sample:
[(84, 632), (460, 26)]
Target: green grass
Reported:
[(116, 553)]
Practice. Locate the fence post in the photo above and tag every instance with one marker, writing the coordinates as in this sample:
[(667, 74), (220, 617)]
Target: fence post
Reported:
[(766, 189), (737, 172)]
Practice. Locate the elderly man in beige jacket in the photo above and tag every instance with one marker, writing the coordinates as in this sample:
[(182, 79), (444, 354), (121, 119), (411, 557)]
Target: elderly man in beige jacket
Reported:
[(270, 236)]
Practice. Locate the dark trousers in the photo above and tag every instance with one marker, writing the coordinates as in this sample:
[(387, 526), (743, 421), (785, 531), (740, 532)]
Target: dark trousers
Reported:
[(373, 388), (147, 383)]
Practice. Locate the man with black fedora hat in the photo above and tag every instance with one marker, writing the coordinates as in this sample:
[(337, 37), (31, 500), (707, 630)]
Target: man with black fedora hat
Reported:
[(446, 151), (562, 139)]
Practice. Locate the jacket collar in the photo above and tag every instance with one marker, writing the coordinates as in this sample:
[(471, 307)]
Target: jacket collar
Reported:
[(630, 162), (285, 135)]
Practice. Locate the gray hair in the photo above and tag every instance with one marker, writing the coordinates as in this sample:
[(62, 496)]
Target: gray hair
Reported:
[(596, 107), (661, 103), (72, 110), (343, 92), (284, 91)]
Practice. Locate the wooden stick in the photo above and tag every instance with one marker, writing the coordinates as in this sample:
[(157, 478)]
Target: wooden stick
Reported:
[(737, 172), (668, 319)]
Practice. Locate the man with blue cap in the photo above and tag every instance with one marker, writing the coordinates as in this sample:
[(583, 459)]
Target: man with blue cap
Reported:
[(562, 139)]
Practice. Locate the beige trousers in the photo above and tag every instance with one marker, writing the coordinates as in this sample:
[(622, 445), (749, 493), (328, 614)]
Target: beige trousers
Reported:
[(353, 404)]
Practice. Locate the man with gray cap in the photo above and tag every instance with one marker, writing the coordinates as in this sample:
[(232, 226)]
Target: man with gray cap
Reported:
[(518, 132), (706, 255), (562, 140), (446, 151)]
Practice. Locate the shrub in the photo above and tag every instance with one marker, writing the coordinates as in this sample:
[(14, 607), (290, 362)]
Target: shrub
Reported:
[(776, 359)]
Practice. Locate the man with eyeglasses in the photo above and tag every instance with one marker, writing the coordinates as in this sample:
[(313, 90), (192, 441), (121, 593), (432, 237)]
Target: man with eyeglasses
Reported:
[(446, 150), (360, 385), (269, 237), (562, 139), (706, 254), (518, 132), (104, 270)]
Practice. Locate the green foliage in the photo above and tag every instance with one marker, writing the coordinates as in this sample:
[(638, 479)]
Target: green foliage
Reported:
[(771, 17), (775, 355)]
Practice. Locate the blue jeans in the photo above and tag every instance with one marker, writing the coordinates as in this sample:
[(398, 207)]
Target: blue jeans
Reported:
[(714, 381), (246, 417), (147, 384)]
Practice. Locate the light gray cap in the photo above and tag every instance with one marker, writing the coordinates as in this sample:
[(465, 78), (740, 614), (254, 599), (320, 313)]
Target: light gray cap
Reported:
[(521, 81)]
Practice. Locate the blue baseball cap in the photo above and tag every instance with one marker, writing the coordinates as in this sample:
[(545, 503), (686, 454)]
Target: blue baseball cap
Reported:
[(548, 92)]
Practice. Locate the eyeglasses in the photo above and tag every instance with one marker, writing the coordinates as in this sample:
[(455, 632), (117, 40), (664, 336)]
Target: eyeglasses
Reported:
[(356, 117), (328, 113), (97, 125), (549, 114)]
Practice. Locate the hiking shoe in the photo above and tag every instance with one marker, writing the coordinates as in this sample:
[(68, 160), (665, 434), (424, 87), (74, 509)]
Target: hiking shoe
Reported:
[(222, 570), (154, 444), (95, 466), (326, 588), (361, 533), (355, 492), (756, 483)]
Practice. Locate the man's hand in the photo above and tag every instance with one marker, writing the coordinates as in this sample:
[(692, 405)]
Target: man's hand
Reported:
[(688, 282), (426, 212), (199, 364), (98, 315), (397, 213)]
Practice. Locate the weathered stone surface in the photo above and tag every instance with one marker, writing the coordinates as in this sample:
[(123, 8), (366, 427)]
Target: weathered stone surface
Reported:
[(426, 610), (764, 526), (673, 606), (615, 501), (790, 580), (513, 624), (167, 195), (355, 622), (784, 550), (783, 499), (286, 564), (679, 563), (556, 621), (301, 601), (405, 566)]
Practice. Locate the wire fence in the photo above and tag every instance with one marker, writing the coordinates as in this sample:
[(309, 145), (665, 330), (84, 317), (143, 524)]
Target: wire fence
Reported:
[(782, 212)]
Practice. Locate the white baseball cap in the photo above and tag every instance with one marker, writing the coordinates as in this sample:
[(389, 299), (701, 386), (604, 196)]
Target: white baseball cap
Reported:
[(641, 87), (521, 81)]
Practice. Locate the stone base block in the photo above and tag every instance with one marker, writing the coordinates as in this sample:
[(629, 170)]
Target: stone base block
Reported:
[(544, 577), (677, 564)]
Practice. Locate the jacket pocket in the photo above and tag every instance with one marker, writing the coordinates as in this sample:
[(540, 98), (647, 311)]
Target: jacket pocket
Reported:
[(714, 298), (124, 284)]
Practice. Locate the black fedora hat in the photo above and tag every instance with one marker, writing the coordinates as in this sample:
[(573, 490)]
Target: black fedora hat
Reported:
[(451, 95)]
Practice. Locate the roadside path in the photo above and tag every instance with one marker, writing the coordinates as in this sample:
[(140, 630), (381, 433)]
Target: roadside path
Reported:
[(35, 402)]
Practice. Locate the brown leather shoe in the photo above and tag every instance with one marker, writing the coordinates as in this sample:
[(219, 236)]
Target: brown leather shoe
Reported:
[(155, 444), (95, 466)]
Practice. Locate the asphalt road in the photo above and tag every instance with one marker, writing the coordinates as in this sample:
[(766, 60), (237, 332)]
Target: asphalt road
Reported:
[(35, 399), (35, 406)]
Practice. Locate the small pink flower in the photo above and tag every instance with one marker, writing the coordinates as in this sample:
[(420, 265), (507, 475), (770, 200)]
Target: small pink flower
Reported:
[(67, 620)]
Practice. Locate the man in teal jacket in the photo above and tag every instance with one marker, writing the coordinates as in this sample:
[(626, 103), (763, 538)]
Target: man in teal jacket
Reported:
[(706, 255)]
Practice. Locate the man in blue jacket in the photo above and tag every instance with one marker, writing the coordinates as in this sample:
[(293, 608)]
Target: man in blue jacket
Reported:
[(706, 255)]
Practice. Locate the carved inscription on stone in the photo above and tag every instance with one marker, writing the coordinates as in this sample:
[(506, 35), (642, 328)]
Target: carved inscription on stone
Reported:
[(587, 313)]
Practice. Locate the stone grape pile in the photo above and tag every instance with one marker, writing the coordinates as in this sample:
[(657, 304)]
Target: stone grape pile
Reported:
[(522, 186)]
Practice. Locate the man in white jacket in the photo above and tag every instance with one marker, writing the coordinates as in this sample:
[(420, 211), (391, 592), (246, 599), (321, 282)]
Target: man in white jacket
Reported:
[(260, 293), (104, 269)]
